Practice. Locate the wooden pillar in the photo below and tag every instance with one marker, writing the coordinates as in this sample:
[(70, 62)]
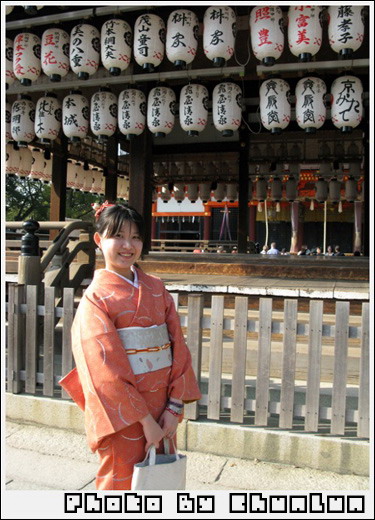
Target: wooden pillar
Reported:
[(243, 188), (111, 170), (58, 186), (140, 181)]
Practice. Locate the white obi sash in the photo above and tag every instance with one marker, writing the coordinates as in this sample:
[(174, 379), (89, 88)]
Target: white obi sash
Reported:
[(148, 348)]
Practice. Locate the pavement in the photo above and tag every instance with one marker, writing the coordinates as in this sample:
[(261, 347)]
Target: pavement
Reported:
[(68, 464)]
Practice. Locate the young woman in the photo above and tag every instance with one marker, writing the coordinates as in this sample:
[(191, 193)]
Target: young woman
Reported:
[(133, 369)]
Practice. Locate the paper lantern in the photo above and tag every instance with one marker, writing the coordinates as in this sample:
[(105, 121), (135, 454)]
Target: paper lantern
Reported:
[(219, 33), (351, 189), (97, 180), (310, 107), (192, 192), (149, 41), (55, 53), (261, 189), (102, 183), (48, 115), (103, 120), (334, 188), (291, 191), (132, 112), (31, 10), (9, 74), (12, 160), (84, 50), (26, 161), (227, 108), (26, 58), (232, 192), (267, 33), (205, 192), (161, 111), (179, 192), (75, 116), (23, 118), (182, 37), (345, 29), (347, 106), (47, 172), (165, 193), (84, 172), (193, 108), (116, 41), (37, 167), (304, 31), (71, 175), (219, 192), (321, 190), (8, 122), (275, 109), (276, 189)]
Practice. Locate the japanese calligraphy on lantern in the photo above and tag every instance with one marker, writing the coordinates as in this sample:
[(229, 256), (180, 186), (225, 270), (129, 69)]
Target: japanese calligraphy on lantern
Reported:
[(219, 32), (103, 113), (84, 50), (345, 28), (26, 58), (347, 107), (116, 41), (75, 116), (23, 118), (48, 116), (161, 111), (274, 104), (267, 33), (9, 74), (193, 108), (182, 37), (55, 53), (227, 107), (132, 112), (149, 41), (304, 31), (310, 107)]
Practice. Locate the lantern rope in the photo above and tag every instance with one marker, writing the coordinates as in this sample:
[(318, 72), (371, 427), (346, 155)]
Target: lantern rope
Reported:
[(266, 220)]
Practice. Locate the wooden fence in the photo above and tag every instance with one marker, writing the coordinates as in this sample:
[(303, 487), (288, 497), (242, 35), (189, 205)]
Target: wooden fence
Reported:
[(39, 351)]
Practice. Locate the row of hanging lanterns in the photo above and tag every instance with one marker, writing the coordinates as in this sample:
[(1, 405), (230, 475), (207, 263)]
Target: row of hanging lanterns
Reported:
[(81, 51), (29, 162), (205, 191)]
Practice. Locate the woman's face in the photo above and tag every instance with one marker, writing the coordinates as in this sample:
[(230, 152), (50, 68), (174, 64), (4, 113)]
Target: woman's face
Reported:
[(122, 250)]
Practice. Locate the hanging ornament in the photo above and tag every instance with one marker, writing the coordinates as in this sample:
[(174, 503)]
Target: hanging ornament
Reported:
[(275, 111), (161, 110), (26, 161), (260, 207), (23, 118), (149, 41), (219, 33), (48, 115), (227, 108), (37, 168), (193, 109), (232, 192), (26, 58), (347, 106), (312, 207), (182, 37), (102, 183), (291, 191), (47, 172), (132, 112), (205, 192), (334, 188), (116, 42), (267, 33), (321, 190), (276, 189), (75, 116), (165, 193), (8, 122), (83, 171), (179, 192), (55, 53), (9, 73), (345, 29), (12, 160), (219, 192), (71, 175), (261, 189), (192, 192), (103, 120), (310, 107), (304, 31), (351, 189), (84, 50)]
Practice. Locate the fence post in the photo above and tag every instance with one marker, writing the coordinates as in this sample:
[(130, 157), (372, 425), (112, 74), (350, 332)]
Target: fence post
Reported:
[(239, 359), (216, 356), (68, 315), (29, 272), (194, 341), (264, 362), (314, 364), (31, 338), (49, 340), (364, 376), (16, 330)]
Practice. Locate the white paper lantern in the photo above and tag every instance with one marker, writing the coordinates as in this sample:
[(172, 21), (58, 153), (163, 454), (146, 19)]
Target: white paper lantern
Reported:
[(75, 116), (227, 108), (149, 41), (165, 193), (9, 74), (8, 122), (334, 189), (48, 115), (219, 191), (193, 108), (291, 191), (37, 168), (347, 105), (182, 37), (261, 189), (132, 112), (345, 29), (276, 189), (102, 183), (97, 180), (310, 107), (321, 190), (12, 160), (26, 58), (47, 172), (83, 171), (267, 33), (205, 192), (26, 161), (179, 192), (275, 109), (55, 53), (351, 189), (84, 50), (232, 192), (116, 41), (304, 31), (71, 170), (192, 192), (103, 119), (161, 108), (23, 118), (219, 33)]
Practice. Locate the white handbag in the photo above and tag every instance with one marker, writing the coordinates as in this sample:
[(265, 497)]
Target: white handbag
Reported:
[(160, 471)]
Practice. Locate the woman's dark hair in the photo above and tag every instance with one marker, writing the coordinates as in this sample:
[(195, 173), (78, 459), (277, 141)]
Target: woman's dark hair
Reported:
[(114, 217)]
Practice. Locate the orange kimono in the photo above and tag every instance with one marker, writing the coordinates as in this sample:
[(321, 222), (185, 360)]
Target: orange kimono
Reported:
[(117, 387)]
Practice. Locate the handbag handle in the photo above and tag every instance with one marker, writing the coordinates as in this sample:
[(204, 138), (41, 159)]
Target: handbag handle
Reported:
[(151, 452)]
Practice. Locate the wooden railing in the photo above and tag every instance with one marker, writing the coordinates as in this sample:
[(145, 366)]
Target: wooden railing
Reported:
[(251, 364)]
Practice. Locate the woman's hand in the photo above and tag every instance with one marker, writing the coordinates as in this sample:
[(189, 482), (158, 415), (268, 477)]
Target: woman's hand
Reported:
[(153, 432), (168, 423)]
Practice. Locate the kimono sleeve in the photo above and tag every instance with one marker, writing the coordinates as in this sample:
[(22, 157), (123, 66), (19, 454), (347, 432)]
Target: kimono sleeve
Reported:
[(183, 383), (112, 401)]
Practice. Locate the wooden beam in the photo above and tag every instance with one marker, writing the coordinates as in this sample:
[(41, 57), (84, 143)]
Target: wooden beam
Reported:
[(58, 187), (111, 169)]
